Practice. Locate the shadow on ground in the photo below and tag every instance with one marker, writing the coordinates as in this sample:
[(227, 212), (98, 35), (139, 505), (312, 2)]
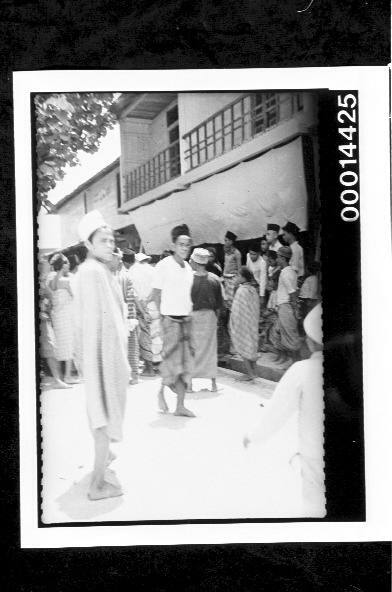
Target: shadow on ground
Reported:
[(75, 503)]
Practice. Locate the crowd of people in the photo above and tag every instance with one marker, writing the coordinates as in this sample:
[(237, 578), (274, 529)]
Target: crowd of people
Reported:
[(116, 318)]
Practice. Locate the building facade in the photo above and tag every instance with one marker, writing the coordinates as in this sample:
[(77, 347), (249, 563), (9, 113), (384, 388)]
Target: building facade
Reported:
[(218, 161), (101, 192)]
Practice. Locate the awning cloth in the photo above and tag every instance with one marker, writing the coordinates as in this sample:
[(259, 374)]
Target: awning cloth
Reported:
[(243, 199)]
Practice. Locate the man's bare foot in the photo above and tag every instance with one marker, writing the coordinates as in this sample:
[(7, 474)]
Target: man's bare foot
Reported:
[(134, 381), (184, 412), (111, 477), (163, 407), (59, 384), (106, 490)]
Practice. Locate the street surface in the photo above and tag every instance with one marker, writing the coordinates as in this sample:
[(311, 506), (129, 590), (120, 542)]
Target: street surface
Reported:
[(171, 468)]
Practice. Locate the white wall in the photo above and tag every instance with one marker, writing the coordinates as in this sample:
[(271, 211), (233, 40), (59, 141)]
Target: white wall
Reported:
[(159, 133), (193, 108)]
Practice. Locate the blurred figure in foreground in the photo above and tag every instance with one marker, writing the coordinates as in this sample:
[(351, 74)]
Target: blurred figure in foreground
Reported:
[(301, 390)]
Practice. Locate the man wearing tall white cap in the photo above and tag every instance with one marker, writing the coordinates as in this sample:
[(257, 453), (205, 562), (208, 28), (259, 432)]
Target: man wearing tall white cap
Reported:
[(101, 349), (301, 390)]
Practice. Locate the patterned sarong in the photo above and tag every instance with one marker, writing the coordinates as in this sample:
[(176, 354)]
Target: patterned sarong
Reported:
[(284, 334), (178, 350), (204, 334), (244, 321), (133, 341)]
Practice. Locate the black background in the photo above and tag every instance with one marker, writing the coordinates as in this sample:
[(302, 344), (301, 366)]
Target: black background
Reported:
[(181, 34)]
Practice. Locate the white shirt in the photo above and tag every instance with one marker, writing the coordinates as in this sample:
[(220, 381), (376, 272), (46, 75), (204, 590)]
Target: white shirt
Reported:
[(259, 270), (287, 284), (299, 390), (176, 284), (142, 277), (297, 259)]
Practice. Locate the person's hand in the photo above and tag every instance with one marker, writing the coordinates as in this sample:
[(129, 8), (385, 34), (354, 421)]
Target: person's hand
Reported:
[(246, 441)]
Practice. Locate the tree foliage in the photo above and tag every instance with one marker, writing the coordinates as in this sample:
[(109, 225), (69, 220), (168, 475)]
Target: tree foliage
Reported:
[(66, 124)]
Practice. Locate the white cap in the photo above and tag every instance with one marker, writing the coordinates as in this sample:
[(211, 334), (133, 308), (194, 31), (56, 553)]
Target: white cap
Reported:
[(313, 324), (90, 223), (139, 257)]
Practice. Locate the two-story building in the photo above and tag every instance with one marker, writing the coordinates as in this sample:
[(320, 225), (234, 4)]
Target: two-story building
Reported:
[(218, 161)]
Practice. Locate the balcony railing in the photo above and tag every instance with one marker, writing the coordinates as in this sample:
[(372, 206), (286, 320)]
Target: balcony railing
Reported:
[(238, 122), (158, 170)]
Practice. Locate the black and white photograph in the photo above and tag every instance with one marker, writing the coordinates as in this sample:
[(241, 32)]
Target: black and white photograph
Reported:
[(192, 351)]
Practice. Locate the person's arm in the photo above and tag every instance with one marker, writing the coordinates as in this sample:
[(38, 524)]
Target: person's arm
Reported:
[(156, 296), (284, 402), (237, 255), (262, 280)]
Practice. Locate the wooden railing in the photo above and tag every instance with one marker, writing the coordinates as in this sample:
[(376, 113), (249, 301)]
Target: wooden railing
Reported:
[(158, 170), (248, 116)]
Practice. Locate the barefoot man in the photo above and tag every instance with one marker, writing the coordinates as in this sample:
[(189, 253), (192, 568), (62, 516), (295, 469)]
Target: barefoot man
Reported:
[(172, 294), (101, 351)]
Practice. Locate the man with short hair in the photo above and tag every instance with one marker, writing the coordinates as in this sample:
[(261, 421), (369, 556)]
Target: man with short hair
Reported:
[(173, 279), (284, 334), (290, 235), (272, 237), (231, 268), (258, 267), (300, 391)]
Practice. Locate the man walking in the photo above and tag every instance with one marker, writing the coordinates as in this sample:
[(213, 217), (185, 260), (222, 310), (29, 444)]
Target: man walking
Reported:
[(172, 286), (207, 300), (258, 267), (290, 235)]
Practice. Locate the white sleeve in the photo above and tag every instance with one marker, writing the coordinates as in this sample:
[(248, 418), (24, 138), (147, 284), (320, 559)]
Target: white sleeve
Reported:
[(290, 281), (284, 402), (263, 277)]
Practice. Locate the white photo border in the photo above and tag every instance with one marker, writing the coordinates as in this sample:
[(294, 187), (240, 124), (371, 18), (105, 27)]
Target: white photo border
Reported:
[(372, 84)]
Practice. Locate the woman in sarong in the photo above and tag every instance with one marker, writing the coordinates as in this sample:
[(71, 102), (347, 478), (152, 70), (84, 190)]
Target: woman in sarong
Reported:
[(62, 314), (207, 300), (101, 349), (244, 323)]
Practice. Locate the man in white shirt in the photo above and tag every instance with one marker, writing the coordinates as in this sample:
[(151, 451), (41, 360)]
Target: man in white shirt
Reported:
[(258, 267), (172, 285), (301, 390), (290, 235), (284, 334), (272, 237)]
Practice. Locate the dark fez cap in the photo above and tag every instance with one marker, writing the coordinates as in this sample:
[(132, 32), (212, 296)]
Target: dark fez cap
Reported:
[(275, 227), (231, 235), (291, 228), (180, 230)]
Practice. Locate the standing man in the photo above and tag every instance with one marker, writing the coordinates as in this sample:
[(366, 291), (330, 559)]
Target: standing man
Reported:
[(258, 267), (301, 390), (284, 334), (290, 235), (141, 275), (128, 260), (173, 279), (101, 351), (207, 300), (231, 268), (272, 237)]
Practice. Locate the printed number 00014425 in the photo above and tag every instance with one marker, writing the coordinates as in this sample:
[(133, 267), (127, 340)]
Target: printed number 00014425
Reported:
[(348, 178)]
